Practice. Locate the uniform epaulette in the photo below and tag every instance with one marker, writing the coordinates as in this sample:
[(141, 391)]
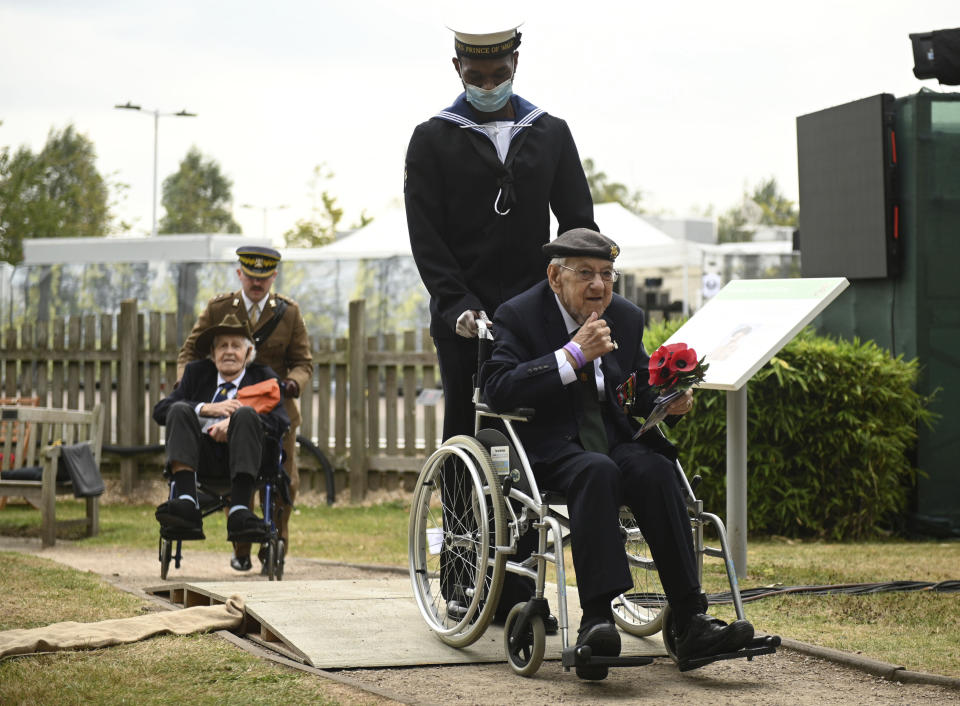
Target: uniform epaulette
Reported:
[(221, 297), (288, 300)]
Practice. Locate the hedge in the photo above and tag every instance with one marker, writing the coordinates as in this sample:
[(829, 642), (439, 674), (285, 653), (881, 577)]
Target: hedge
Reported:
[(831, 425)]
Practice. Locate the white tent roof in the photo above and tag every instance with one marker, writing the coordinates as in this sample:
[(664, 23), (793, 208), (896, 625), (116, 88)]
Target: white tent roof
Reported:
[(386, 236), (641, 244), (193, 247)]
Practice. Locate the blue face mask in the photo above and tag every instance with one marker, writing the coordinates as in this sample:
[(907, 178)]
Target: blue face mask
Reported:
[(489, 100)]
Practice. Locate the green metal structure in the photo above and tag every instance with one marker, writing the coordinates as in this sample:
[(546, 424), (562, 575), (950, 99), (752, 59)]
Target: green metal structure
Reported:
[(917, 314)]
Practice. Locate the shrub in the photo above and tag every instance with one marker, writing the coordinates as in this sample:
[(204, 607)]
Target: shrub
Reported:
[(830, 426)]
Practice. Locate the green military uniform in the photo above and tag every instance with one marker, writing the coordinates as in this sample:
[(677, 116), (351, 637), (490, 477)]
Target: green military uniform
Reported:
[(287, 351)]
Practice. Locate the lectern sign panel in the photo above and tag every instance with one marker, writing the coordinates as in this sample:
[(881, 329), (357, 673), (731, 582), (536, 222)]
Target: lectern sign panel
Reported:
[(748, 321)]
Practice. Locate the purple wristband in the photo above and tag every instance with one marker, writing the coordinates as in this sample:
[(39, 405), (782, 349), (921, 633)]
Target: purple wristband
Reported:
[(574, 350)]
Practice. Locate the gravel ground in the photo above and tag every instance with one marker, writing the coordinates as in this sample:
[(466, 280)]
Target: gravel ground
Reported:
[(784, 678)]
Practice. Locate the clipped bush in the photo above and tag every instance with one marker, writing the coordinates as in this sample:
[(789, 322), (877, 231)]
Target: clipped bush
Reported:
[(831, 424)]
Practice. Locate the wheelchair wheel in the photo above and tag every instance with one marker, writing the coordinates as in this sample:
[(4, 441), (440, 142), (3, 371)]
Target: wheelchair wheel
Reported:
[(279, 559), (525, 654), (271, 559), (639, 612), (166, 552), (456, 523)]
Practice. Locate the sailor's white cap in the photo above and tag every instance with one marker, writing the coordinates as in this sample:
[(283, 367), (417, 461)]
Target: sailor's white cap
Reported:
[(485, 37)]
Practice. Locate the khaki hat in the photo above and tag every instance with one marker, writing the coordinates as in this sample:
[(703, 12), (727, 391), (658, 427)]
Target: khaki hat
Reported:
[(230, 325)]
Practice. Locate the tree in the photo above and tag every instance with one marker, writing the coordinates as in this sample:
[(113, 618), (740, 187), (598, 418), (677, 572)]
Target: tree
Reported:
[(766, 206), (55, 193), (325, 214), (197, 198), (602, 190)]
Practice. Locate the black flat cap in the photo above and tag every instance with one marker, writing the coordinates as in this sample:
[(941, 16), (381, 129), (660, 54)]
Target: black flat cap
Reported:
[(582, 242)]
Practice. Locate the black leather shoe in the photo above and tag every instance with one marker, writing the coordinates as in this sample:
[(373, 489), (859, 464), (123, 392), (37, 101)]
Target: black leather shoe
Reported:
[(604, 641), (263, 555), (707, 636), (240, 563), (179, 514), (244, 526)]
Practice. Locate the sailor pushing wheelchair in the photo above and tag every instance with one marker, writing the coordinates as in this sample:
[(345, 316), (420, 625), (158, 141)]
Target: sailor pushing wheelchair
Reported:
[(559, 352)]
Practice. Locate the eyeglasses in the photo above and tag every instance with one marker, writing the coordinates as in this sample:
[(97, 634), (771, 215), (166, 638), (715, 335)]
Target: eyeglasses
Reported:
[(586, 275)]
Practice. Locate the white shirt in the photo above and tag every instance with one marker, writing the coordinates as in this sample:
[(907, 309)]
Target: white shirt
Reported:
[(207, 422), (567, 373), (500, 133)]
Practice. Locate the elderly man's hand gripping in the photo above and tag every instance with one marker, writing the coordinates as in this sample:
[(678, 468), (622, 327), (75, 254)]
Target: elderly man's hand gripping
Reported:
[(681, 405), (594, 338)]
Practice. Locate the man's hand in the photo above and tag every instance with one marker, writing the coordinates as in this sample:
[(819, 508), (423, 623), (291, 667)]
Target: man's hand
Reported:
[(594, 338), (219, 430), (220, 409), (290, 388), (681, 405), (467, 322)]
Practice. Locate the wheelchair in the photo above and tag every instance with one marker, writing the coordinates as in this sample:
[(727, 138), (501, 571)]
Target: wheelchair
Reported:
[(213, 494), (475, 497)]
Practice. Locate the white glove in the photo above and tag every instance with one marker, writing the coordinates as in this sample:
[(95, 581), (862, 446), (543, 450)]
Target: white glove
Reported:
[(467, 323)]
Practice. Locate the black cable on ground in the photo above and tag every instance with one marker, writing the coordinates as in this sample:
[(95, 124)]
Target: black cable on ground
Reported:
[(753, 594)]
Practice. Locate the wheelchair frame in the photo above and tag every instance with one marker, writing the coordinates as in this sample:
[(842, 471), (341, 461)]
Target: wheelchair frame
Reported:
[(215, 496), (486, 540)]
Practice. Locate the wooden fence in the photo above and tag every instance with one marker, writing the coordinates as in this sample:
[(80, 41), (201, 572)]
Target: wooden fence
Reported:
[(365, 388)]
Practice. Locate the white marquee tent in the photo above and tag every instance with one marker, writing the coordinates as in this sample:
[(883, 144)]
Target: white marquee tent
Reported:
[(641, 244)]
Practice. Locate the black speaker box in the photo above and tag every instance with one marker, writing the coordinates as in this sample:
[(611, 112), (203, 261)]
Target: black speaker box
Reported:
[(849, 218)]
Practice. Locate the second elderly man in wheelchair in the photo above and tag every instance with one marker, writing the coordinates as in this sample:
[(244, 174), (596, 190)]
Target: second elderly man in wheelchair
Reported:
[(217, 420), (563, 347)]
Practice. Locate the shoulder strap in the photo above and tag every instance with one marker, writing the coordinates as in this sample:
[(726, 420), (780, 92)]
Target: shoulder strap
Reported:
[(263, 333)]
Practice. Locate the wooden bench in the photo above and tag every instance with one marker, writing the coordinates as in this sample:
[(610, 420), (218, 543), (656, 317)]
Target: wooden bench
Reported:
[(38, 433), (9, 431)]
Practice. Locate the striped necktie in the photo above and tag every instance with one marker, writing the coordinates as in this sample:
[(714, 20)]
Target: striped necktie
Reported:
[(223, 392)]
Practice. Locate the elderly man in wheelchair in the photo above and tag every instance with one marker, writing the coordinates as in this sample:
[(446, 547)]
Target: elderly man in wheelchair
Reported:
[(562, 348), (219, 421)]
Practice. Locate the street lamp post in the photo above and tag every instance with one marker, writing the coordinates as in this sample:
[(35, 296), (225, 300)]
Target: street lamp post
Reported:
[(265, 209), (156, 129)]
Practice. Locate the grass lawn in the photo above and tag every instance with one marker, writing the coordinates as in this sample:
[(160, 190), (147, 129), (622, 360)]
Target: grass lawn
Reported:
[(201, 669), (917, 630)]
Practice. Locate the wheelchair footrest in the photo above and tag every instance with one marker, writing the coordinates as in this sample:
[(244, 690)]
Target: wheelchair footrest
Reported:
[(582, 656), (181, 533), (765, 645)]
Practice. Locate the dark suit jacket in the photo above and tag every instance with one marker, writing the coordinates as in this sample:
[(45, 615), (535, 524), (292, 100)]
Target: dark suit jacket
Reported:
[(286, 351), (452, 176), (522, 372), (199, 384)]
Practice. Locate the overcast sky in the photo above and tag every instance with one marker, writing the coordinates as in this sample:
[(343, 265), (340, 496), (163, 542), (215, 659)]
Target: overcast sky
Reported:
[(690, 102)]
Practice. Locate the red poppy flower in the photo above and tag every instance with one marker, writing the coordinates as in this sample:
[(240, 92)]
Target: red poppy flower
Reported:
[(676, 347), (659, 358), (659, 376), (683, 361)]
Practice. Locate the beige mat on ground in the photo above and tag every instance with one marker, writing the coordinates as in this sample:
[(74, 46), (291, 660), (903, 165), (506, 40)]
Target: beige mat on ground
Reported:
[(74, 636)]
